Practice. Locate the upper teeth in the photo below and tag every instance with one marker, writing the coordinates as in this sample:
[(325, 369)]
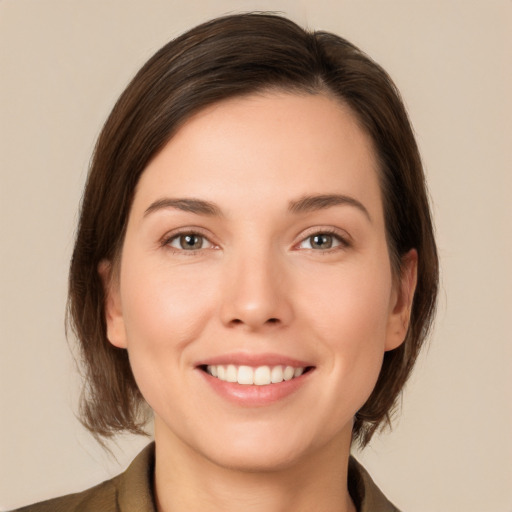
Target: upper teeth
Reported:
[(260, 376)]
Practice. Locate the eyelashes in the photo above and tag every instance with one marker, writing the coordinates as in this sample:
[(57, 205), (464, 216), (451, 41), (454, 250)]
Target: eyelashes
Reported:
[(317, 240), (324, 241), (189, 242)]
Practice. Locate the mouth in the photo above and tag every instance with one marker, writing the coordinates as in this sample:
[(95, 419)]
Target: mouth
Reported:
[(264, 375), (255, 380)]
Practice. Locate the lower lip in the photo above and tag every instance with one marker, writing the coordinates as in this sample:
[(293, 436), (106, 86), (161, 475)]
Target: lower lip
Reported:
[(255, 396)]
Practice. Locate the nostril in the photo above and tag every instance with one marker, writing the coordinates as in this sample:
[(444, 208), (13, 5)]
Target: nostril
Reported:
[(237, 321)]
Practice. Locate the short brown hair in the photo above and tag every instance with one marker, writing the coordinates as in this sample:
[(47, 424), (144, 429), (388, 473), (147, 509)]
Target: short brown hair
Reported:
[(223, 58)]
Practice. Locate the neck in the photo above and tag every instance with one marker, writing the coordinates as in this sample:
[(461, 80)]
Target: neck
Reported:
[(187, 481)]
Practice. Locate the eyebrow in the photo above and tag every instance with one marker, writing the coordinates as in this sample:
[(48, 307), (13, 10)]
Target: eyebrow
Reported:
[(303, 205), (323, 201), (191, 205)]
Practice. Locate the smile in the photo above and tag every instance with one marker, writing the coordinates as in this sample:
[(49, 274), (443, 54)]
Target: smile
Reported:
[(258, 376)]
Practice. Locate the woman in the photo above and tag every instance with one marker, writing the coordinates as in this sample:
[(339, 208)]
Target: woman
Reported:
[(255, 266)]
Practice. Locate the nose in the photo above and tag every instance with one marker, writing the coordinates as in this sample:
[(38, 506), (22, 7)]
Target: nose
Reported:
[(256, 294)]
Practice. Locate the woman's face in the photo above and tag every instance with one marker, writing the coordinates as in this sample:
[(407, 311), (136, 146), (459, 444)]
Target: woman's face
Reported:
[(256, 251)]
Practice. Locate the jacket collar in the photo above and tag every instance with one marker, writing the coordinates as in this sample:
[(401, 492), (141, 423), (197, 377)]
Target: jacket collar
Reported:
[(135, 486)]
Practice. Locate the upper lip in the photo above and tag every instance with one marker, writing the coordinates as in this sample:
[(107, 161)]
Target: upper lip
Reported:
[(255, 360)]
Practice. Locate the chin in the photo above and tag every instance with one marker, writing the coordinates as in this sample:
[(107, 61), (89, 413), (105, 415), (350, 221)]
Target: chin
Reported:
[(267, 449), (251, 458)]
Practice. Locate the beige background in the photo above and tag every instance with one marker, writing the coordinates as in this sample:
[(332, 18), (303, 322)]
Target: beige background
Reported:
[(62, 65)]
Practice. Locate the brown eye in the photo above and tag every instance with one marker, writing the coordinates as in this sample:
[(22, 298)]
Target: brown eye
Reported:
[(322, 241), (189, 242)]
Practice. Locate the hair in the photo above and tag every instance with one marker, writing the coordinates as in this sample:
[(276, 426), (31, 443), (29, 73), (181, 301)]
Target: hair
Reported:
[(227, 57)]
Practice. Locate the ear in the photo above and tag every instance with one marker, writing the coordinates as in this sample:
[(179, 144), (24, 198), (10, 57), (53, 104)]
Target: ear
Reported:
[(116, 332), (402, 299)]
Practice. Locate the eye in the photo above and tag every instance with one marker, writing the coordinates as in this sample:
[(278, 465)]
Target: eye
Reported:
[(189, 242), (322, 242)]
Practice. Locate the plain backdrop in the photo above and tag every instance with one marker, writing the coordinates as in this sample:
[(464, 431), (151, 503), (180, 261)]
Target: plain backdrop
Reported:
[(62, 65)]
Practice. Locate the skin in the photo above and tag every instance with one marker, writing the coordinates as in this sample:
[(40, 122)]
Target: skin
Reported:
[(258, 285)]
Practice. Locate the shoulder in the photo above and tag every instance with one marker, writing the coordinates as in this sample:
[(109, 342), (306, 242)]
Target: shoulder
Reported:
[(101, 498), (129, 491), (366, 494)]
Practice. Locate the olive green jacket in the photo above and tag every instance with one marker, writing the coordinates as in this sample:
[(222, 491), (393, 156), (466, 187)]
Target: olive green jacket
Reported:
[(131, 491)]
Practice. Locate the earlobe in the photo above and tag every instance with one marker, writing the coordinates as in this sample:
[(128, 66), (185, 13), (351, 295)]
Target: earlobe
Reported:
[(116, 332), (401, 313)]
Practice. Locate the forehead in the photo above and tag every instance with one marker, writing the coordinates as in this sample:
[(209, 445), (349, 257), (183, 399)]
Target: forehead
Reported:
[(255, 145)]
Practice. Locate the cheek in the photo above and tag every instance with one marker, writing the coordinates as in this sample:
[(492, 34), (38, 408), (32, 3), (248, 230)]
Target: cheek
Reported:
[(349, 311), (353, 300), (164, 310), (153, 287)]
